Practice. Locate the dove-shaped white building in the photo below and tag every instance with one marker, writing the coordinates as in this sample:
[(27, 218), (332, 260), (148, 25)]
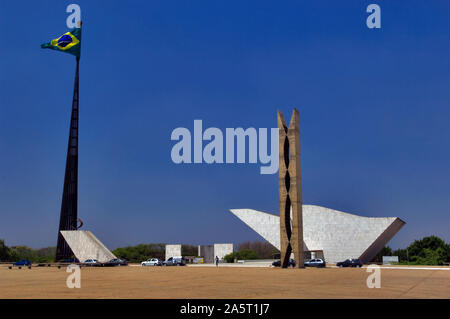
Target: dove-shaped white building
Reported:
[(336, 234)]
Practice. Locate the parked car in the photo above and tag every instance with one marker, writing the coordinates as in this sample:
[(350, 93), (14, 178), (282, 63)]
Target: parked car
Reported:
[(350, 263), (152, 262), (175, 261), (92, 263), (319, 263), (116, 262), (277, 263), (23, 262)]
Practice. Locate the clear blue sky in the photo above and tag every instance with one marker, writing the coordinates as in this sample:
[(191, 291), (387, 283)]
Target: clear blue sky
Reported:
[(374, 106)]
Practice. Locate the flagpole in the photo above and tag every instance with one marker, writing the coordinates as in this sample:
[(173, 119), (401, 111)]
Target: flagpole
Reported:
[(69, 204)]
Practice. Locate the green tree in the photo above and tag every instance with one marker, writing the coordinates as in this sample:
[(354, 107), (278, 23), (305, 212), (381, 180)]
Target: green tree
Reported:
[(430, 257), (430, 242), (34, 255), (245, 254), (264, 249), (230, 257), (447, 258), (46, 254), (141, 252), (189, 250), (23, 252), (402, 255), (5, 251), (430, 250)]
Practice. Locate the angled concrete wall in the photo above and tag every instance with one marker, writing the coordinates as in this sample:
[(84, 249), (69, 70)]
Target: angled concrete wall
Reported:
[(340, 235), (173, 251), (86, 246)]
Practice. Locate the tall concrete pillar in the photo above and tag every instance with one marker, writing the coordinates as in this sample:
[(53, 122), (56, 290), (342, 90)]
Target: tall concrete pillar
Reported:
[(290, 188)]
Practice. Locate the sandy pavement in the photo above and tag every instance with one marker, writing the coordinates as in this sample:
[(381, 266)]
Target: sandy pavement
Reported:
[(222, 282)]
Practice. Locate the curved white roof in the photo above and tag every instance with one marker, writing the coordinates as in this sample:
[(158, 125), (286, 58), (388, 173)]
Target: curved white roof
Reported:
[(340, 235)]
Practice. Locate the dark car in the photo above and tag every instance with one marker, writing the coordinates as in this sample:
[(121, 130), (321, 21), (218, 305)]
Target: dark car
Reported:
[(92, 263), (116, 262), (350, 263), (277, 263), (23, 262), (175, 261), (319, 263)]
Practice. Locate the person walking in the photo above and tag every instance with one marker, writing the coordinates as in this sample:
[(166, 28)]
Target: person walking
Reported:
[(217, 261)]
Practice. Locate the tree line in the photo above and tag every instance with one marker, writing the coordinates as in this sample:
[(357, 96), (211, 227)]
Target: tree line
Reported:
[(430, 250), (141, 252), (15, 253), (253, 250)]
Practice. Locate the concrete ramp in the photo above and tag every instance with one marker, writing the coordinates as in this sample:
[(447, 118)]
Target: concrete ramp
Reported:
[(86, 246)]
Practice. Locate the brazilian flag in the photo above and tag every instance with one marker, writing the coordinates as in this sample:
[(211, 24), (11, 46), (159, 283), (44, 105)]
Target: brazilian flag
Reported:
[(69, 42)]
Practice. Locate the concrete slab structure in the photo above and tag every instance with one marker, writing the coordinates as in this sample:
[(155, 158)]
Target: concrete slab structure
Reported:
[(86, 246), (221, 250), (339, 235), (173, 251)]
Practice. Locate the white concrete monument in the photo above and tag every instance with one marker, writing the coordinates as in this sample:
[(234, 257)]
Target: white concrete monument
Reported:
[(221, 250), (86, 246), (339, 235), (173, 251)]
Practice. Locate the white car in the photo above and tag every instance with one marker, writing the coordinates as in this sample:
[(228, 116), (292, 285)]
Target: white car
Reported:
[(152, 262), (92, 263), (319, 263)]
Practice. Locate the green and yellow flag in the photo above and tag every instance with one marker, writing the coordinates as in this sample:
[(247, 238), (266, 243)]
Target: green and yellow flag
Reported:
[(69, 42)]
